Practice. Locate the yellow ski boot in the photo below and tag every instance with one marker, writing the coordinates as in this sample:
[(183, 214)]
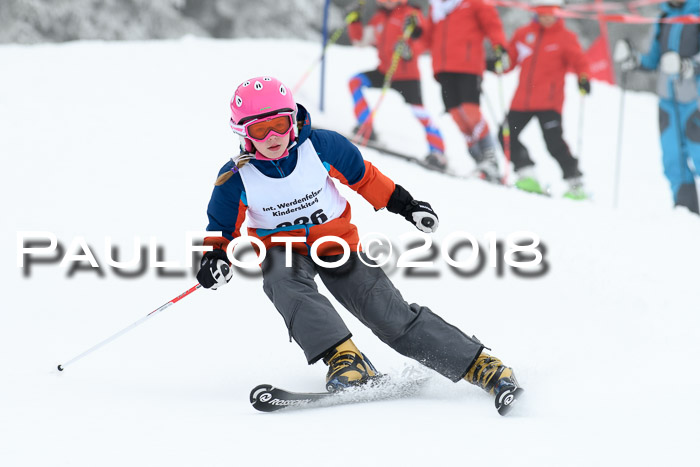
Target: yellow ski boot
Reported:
[(347, 367), (491, 375)]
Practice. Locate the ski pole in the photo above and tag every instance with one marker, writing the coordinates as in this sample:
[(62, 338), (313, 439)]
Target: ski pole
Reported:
[(365, 130), (579, 136), (128, 328), (506, 126), (350, 18), (489, 107), (620, 122)]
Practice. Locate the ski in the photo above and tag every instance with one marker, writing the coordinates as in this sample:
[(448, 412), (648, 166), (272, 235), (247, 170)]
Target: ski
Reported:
[(268, 398), (391, 152)]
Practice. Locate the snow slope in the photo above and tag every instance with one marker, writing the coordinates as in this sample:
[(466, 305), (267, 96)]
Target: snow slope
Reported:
[(125, 140)]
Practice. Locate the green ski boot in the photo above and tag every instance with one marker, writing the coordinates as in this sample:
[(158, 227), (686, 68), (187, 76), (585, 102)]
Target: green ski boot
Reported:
[(527, 181), (529, 184), (575, 191)]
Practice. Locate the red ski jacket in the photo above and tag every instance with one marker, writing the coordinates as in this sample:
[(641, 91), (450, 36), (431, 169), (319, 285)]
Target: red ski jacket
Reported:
[(545, 55), (455, 32), (387, 26)]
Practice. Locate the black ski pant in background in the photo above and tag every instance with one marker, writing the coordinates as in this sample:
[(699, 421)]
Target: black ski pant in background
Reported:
[(367, 293), (408, 88), (550, 123)]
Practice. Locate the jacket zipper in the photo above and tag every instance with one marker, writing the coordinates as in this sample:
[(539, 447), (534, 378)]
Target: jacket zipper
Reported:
[(532, 67), (385, 21), (444, 43), (279, 169), (551, 92)]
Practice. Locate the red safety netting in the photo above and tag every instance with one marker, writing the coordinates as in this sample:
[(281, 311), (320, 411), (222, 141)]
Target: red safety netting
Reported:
[(598, 11), (604, 12)]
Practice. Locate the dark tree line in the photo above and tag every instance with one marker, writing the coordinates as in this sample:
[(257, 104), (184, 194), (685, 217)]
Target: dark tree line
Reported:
[(37, 21)]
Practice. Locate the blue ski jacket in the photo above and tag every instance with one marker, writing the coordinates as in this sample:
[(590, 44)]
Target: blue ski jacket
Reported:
[(343, 161), (675, 37)]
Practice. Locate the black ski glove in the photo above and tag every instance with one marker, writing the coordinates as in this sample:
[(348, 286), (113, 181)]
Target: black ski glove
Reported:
[(418, 213), (413, 21), (353, 12), (584, 86), (215, 270), (502, 62)]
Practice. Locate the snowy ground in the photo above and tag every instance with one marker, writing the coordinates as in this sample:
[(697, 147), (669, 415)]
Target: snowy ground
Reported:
[(125, 140)]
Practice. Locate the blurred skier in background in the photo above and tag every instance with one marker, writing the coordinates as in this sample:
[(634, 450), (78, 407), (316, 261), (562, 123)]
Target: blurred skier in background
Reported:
[(282, 183), (455, 32), (545, 51), (385, 30), (675, 53)]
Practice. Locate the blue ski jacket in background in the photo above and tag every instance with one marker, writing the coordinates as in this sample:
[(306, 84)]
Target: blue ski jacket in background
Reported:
[(679, 117)]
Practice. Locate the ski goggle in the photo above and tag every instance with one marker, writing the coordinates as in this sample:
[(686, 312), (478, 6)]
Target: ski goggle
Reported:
[(259, 129)]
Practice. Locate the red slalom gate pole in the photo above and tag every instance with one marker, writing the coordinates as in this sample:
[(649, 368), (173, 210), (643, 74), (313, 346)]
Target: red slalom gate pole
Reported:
[(61, 367)]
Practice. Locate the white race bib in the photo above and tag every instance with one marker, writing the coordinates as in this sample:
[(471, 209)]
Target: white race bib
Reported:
[(307, 196), (442, 8)]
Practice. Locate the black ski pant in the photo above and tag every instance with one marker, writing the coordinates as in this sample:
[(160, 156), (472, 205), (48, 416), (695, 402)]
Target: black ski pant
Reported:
[(367, 293), (550, 123), (408, 88)]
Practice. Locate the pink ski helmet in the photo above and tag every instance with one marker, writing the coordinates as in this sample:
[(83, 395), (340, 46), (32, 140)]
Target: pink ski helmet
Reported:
[(259, 97)]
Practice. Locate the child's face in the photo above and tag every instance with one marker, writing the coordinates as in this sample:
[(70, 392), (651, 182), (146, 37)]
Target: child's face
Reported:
[(274, 146), (546, 20)]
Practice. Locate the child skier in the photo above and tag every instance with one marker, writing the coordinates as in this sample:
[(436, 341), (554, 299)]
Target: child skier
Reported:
[(455, 32), (284, 161), (545, 50), (675, 52), (385, 31)]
